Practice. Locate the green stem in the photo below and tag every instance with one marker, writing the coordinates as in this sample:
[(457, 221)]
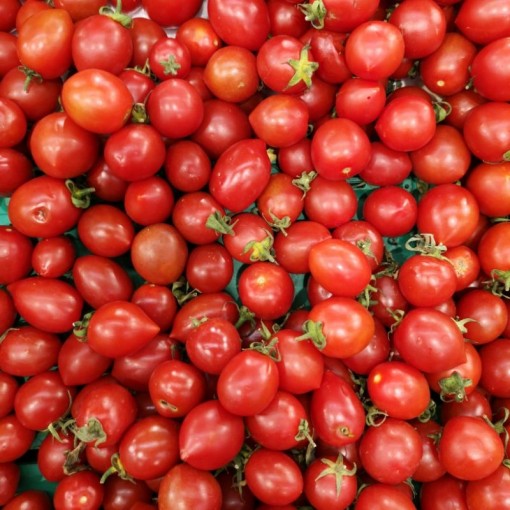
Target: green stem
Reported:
[(116, 14), (315, 13), (80, 197), (220, 224), (303, 69), (313, 331)]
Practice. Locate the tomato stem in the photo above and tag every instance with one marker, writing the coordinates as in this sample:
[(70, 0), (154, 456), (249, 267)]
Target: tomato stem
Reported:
[(170, 66), (313, 331), (182, 292), (315, 13), (279, 224), (304, 181), (428, 413), (220, 224), (337, 469), (261, 250), (453, 388), (245, 315), (139, 114), (73, 459), (30, 75), (80, 327), (117, 14), (80, 197), (91, 431)]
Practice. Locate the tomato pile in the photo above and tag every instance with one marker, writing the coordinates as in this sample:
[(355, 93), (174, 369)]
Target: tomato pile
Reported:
[(256, 254)]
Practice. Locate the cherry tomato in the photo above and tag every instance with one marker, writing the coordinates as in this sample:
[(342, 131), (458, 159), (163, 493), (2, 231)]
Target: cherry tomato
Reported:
[(81, 489), (53, 257), (198, 35), (169, 58), (14, 126), (30, 500), (15, 439), (170, 12), (10, 475), (15, 170)]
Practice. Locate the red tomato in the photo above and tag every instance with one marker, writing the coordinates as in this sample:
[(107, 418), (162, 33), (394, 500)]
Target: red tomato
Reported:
[(97, 100), (171, 12), (158, 302), (15, 439), (10, 475), (54, 256), (14, 125), (169, 58), (144, 33), (495, 357), (8, 387), (187, 166), (198, 35), (15, 170), (79, 9), (8, 52), (82, 489), (493, 251), (30, 500), (15, 255), (386, 166), (340, 149), (489, 493), (381, 496)]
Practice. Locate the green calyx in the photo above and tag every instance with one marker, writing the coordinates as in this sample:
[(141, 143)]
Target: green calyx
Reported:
[(315, 13), (116, 14), (338, 469), (303, 69)]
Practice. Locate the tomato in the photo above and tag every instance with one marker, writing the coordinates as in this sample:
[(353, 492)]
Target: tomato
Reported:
[(54, 456), (495, 359), (487, 132), (135, 152), (139, 84), (188, 487), (169, 58), (429, 340), (10, 475), (150, 448), (443, 492), (8, 52), (170, 12), (78, 364), (47, 303), (103, 412), (81, 489), (266, 289), (301, 366), (102, 41), (381, 496), (340, 149), (15, 170), (108, 187), (374, 50), (176, 388), (232, 497), (212, 305), (483, 22), (121, 494), (53, 257), (14, 125), (273, 477), (8, 387), (240, 174), (423, 25), (337, 414), (119, 328), (158, 302), (27, 351), (456, 383), (15, 439), (446, 70), (175, 108), (279, 426), (391, 451), (469, 448), (97, 100), (187, 166), (449, 212), (30, 500), (329, 482), (198, 35), (490, 492), (79, 9), (8, 13), (430, 468), (16, 255), (286, 18), (493, 250), (144, 33), (231, 74), (159, 253), (461, 103), (44, 42), (339, 267), (238, 375), (330, 203), (386, 166)]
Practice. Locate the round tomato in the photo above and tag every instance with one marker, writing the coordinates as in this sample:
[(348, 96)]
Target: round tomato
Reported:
[(82, 489)]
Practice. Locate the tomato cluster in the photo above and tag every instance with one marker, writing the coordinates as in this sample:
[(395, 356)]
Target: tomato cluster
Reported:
[(256, 254)]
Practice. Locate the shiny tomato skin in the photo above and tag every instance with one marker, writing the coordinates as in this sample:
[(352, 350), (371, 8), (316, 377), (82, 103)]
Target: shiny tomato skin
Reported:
[(381, 496), (240, 174), (491, 492), (97, 100), (120, 328), (340, 149), (15, 169), (10, 475), (44, 42), (8, 387), (54, 256), (170, 12), (31, 499), (198, 35), (15, 439), (495, 357), (49, 304), (82, 489), (15, 255), (336, 412), (237, 378)]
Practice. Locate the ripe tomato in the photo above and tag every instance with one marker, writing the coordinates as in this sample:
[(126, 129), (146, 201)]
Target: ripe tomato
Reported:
[(119, 328), (340, 149), (44, 42), (469, 448), (15, 439), (493, 250), (97, 100), (54, 454), (30, 500), (187, 166), (386, 166), (15, 255), (489, 493), (82, 489), (198, 35), (273, 477), (144, 33), (495, 358), (339, 267), (266, 289), (120, 494), (170, 12), (380, 496), (169, 58), (8, 387), (14, 126), (53, 257), (15, 169), (391, 451), (10, 475)]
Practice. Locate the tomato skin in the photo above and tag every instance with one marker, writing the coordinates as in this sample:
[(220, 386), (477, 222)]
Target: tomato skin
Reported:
[(170, 12), (10, 475), (240, 174), (47, 303), (381, 496), (493, 248), (163, 262), (81, 489), (27, 351), (139, 85), (8, 387), (150, 448), (97, 100), (44, 42), (281, 120), (52, 456), (15, 439), (121, 494), (363, 53), (15, 170), (266, 289), (470, 449), (14, 125), (53, 257), (444, 493), (158, 302), (198, 35), (449, 212), (30, 500), (390, 452), (120, 328), (186, 487), (108, 186), (347, 326), (490, 493), (273, 477), (15, 255), (337, 415), (238, 376), (8, 52), (398, 389), (340, 149), (169, 58), (429, 340), (175, 108), (495, 357), (229, 19), (144, 33)]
